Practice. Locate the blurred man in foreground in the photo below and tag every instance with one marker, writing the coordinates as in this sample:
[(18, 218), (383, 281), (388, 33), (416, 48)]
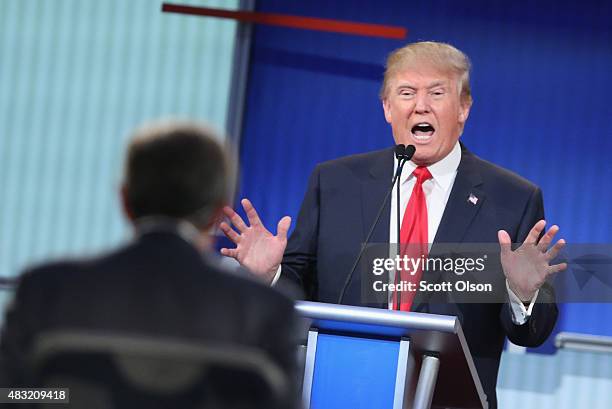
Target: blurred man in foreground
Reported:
[(449, 195), (164, 283)]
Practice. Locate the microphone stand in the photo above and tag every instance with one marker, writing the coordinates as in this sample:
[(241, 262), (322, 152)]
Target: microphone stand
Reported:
[(403, 154)]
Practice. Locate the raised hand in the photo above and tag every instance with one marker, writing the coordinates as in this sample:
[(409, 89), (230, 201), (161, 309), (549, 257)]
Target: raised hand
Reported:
[(528, 267), (256, 247)]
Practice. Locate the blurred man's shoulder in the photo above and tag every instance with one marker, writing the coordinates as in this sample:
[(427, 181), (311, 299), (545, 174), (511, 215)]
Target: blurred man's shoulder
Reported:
[(77, 264), (59, 269), (239, 280)]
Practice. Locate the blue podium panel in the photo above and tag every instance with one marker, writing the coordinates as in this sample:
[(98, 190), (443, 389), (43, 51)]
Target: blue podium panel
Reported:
[(354, 372)]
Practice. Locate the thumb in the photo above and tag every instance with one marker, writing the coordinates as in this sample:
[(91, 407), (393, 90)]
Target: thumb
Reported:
[(283, 227), (504, 242)]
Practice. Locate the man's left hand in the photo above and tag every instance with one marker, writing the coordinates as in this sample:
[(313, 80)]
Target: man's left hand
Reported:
[(528, 267)]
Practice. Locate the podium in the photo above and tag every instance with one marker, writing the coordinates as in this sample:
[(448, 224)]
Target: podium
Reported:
[(359, 357)]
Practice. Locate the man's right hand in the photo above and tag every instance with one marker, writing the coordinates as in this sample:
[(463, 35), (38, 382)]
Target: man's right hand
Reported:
[(256, 248)]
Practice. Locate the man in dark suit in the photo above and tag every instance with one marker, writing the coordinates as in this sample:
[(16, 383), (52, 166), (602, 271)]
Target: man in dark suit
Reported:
[(453, 197), (164, 283)]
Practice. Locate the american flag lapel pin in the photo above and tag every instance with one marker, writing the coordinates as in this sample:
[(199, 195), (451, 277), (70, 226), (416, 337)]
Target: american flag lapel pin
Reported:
[(473, 199)]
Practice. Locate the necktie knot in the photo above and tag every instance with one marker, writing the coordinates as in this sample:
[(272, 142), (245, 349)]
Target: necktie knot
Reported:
[(422, 174)]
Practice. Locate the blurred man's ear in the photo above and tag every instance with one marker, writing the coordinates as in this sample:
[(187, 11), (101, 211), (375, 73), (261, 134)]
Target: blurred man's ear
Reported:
[(207, 237), (125, 205), (215, 219)]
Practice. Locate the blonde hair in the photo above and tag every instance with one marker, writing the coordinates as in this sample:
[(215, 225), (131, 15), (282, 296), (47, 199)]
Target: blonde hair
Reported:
[(440, 55)]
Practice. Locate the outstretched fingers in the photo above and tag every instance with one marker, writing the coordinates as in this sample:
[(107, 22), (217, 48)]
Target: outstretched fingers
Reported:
[(534, 233), (229, 252), (229, 232), (235, 219), (283, 227), (251, 213), (554, 250), (547, 238), (555, 268), (505, 242)]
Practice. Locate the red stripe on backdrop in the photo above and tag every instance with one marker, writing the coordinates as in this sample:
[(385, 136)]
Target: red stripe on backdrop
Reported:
[(286, 20)]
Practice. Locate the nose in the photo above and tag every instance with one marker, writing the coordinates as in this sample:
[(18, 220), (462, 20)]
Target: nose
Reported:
[(421, 104)]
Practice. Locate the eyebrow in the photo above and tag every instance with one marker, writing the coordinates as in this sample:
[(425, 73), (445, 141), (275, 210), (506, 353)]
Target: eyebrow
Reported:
[(430, 86), (437, 84)]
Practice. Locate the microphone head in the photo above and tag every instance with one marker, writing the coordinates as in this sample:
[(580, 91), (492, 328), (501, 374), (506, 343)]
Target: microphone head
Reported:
[(404, 152), (400, 151), (410, 150)]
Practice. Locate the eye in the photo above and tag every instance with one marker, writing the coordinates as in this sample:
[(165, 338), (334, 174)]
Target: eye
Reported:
[(406, 92)]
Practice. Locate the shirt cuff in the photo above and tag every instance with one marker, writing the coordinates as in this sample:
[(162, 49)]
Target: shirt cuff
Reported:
[(276, 277), (520, 314)]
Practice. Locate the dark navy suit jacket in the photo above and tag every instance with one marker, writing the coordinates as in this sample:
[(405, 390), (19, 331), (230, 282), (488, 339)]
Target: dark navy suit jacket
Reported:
[(340, 205), (159, 285)]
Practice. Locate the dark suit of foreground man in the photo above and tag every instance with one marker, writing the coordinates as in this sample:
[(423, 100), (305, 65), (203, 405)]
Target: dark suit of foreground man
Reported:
[(159, 285), (426, 99)]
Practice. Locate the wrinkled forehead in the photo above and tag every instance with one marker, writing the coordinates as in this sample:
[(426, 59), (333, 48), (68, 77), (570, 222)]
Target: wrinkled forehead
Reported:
[(422, 75)]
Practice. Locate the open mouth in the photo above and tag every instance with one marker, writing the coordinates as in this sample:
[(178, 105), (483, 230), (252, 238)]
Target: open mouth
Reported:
[(422, 131)]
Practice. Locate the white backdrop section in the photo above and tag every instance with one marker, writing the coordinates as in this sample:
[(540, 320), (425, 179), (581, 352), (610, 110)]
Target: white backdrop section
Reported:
[(569, 379), (75, 77)]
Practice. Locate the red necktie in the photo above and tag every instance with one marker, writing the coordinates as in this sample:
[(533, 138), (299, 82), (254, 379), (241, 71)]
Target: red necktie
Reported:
[(414, 235)]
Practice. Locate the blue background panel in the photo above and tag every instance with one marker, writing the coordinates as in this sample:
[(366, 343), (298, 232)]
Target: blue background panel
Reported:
[(354, 372)]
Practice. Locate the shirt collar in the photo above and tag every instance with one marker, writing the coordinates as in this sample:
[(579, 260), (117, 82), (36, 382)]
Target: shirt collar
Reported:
[(443, 171)]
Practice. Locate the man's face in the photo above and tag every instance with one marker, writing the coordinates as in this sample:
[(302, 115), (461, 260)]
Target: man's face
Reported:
[(424, 109)]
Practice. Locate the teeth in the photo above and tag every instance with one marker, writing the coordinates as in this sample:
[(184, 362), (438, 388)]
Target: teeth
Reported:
[(423, 131)]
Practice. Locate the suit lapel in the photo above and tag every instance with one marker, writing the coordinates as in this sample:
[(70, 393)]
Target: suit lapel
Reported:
[(373, 191), (463, 204), (374, 187)]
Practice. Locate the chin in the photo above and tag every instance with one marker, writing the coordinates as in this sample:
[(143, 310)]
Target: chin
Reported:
[(422, 160), (424, 154)]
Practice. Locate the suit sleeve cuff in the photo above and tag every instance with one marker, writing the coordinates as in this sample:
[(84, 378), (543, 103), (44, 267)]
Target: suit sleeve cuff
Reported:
[(276, 277), (520, 314)]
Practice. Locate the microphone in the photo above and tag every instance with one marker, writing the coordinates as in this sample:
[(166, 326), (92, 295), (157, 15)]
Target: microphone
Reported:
[(403, 154)]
